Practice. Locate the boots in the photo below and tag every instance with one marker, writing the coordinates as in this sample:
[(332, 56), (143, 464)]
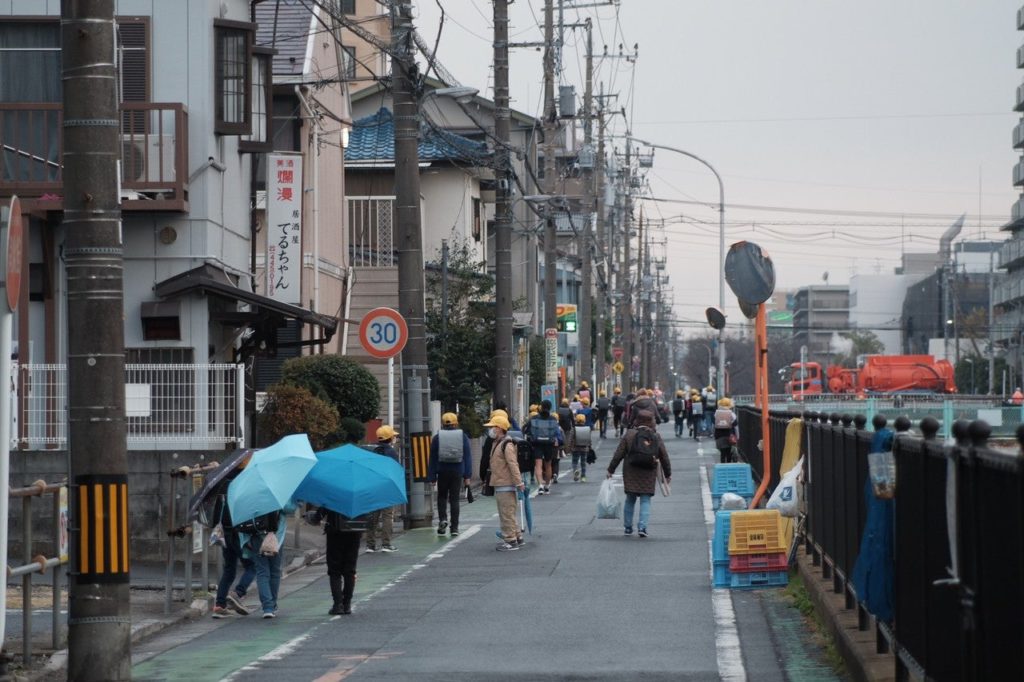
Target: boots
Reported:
[(337, 595), (346, 595)]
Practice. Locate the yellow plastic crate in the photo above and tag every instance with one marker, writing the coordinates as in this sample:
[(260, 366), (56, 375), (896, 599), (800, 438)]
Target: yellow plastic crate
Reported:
[(757, 531)]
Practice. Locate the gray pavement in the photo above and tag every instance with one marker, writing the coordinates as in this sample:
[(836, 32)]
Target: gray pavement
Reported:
[(581, 601)]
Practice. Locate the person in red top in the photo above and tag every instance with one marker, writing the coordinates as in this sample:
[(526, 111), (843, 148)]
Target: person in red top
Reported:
[(1018, 397)]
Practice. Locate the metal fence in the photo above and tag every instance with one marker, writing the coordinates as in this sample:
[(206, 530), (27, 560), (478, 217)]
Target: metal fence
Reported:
[(371, 236), (168, 406), (958, 538)]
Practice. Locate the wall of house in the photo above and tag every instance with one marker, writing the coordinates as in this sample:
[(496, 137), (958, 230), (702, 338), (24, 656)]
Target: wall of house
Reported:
[(373, 288), (448, 195)]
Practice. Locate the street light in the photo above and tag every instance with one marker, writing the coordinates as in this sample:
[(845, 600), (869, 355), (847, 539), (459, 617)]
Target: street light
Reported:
[(721, 246)]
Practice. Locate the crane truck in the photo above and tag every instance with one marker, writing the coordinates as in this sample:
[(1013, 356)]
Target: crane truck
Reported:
[(877, 374)]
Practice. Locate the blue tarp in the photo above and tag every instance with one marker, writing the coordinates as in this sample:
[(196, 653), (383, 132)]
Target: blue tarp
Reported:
[(873, 572)]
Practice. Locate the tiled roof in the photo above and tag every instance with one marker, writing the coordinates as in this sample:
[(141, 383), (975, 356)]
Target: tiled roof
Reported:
[(373, 139), (284, 25)]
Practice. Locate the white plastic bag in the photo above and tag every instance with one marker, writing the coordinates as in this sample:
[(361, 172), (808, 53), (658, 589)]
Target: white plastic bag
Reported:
[(732, 501), (786, 497), (609, 506), (270, 545)]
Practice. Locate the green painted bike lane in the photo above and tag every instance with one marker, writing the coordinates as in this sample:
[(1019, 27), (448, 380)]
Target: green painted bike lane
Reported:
[(219, 653)]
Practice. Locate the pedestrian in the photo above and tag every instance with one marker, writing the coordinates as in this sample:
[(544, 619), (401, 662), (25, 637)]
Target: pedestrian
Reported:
[(267, 555), (710, 405), (726, 429), (546, 438), (679, 412), (584, 391), (228, 602), (506, 479), (696, 415), (644, 402), (344, 535), (449, 469), (602, 407), (582, 439), (576, 404), (381, 522), (502, 406), (618, 408), (587, 411), (640, 450)]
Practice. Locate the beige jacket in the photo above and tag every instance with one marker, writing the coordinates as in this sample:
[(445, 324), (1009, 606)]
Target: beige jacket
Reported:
[(505, 464)]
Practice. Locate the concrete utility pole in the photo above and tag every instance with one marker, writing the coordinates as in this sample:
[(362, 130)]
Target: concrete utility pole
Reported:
[(604, 247), (502, 209), (626, 300), (415, 374), (586, 314), (99, 621), (550, 235)]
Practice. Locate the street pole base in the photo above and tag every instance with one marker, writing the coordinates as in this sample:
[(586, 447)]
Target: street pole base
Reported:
[(426, 522)]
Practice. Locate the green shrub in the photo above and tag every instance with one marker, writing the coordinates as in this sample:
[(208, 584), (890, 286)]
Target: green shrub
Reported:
[(351, 430), (292, 409), (338, 381)]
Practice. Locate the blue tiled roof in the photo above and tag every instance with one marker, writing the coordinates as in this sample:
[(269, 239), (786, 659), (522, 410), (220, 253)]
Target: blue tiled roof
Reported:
[(373, 139)]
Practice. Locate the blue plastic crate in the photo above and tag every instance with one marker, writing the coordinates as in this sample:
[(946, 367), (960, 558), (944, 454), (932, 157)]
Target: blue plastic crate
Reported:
[(716, 501), (751, 581), (732, 478), (722, 576), (720, 541)]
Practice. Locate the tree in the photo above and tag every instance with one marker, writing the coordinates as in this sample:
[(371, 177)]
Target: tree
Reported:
[(861, 342), (972, 375), (460, 339), (339, 381), (293, 409)]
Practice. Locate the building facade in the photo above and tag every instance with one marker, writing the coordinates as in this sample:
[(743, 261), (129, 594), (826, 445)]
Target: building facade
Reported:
[(819, 312)]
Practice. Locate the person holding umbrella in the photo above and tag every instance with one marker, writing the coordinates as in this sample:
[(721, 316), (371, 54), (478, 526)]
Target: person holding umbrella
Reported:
[(506, 479), (382, 521), (450, 467), (344, 535), (231, 551)]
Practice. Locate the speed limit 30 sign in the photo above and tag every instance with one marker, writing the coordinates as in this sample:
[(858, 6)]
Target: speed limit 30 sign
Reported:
[(383, 332)]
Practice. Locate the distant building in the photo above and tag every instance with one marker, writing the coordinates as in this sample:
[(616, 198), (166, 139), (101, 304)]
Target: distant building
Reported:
[(876, 305), (820, 311)]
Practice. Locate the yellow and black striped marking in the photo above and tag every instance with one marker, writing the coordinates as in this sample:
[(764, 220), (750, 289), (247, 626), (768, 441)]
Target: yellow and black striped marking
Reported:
[(420, 444), (101, 548)]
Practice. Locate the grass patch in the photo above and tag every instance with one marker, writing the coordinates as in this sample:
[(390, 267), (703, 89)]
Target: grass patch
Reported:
[(797, 596)]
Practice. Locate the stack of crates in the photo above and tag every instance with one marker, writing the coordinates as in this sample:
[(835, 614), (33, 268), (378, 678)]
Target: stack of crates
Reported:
[(731, 478), (720, 550), (758, 555)]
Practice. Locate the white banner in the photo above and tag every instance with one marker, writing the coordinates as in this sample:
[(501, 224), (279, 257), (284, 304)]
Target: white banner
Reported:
[(284, 227)]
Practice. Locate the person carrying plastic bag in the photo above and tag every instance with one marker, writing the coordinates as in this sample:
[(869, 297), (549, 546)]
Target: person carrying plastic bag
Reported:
[(641, 449)]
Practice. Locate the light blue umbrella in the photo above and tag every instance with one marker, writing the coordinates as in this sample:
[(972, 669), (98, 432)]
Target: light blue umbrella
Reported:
[(269, 481), (353, 481)]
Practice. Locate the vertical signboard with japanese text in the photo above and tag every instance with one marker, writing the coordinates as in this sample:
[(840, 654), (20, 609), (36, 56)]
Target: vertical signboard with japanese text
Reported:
[(284, 227)]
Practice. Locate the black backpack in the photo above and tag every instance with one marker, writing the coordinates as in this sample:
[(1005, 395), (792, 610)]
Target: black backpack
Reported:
[(543, 430), (524, 455), (643, 453), (677, 406)]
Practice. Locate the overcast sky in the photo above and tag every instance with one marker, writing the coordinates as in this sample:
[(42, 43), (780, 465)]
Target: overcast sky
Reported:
[(862, 116)]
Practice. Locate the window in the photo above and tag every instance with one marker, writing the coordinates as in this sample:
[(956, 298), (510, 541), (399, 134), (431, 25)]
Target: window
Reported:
[(348, 6), (133, 65), (233, 74), (476, 219), (348, 62), (262, 103), (30, 61)]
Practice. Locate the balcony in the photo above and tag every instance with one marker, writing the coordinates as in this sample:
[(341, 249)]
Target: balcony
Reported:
[(1020, 57), (1019, 102), (1020, 19), (1018, 173), (1011, 252), (154, 155), (1018, 135)]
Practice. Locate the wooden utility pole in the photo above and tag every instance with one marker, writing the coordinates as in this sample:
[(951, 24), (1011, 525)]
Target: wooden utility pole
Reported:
[(502, 209), (99, 621), (586, 315)]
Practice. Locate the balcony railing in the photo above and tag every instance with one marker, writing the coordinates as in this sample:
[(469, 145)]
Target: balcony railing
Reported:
[(154, 154), (168, 407), (371, 231)]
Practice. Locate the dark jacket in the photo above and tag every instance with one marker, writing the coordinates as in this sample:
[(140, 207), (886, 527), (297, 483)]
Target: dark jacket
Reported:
[(635, 480), (642, 404), (436, 465), (384, 449)]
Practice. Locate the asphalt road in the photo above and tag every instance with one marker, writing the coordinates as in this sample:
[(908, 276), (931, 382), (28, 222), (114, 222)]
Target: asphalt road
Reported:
[(579, 602)]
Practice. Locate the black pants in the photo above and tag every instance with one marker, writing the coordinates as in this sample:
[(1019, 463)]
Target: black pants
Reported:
[(679, 424), (726, 454), (342, 552), (449, 486), (602, 421)]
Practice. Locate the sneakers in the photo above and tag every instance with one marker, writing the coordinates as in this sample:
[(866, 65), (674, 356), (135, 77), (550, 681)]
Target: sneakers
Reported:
[(455, 532), (628, 531), (222, 612), (389, 548), (269, 614), (235, 603), (506, 547), (520, 542), (642, 532), (542, 490), (370, 549), (583, 479), (336, 610), (576, 475), (442, 527)]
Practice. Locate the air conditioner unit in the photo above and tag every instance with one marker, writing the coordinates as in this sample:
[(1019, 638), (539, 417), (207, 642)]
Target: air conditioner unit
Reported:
[(147, 158)]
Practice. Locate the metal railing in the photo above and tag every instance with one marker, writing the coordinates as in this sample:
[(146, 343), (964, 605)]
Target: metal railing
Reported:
[(958, 600), (192, 532), (371, 231), (182, 406)]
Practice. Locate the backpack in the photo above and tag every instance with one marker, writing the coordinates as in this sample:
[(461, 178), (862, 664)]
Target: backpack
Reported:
[(678, 406), (724, 418), (543, 431), (259, 525), (524, 451), (449, 446), (603, 403), (643, 453)]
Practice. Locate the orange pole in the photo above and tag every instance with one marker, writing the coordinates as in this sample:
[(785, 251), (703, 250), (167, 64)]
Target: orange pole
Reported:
[(761, 383)]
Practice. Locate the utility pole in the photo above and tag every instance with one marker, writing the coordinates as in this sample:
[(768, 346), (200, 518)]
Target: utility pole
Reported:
[(415, 375), (550, 235), (626, 300), (502, 210), (586, 315), (603, 249), (99, 619)]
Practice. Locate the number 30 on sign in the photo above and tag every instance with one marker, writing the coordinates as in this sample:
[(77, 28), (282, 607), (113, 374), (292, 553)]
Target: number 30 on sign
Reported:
[(383, 332)]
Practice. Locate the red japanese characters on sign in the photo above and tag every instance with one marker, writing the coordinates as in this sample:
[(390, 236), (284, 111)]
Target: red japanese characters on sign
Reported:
[(284, 228)]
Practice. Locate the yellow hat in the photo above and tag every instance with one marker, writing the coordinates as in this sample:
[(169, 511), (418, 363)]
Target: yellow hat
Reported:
[(602, 393), (565, 402), (386, 432), (584, 384), (500, 411), (679, 393), (725, 402), (585, 401), (450, 419), (581, 419), (618, 390), (500, 421)]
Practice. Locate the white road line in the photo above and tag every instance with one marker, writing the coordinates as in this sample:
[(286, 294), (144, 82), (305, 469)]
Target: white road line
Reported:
[(727, 639), (291, 645)]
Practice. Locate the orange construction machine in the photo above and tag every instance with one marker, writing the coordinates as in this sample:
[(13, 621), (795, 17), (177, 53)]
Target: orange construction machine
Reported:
[(877, 374)]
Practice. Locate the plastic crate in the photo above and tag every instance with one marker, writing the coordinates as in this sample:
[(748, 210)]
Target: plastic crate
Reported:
[(716, 501), (751, 581), (732, 478), (752, 563), (756, 531), (722, 575), (720, 540)]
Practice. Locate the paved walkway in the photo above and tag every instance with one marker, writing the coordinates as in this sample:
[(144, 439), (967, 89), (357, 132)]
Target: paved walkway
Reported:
[(581, 601)]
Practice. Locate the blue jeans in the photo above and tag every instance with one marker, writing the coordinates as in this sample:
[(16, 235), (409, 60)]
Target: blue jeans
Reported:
[(232, 552), (645, 511), (579, 461), (268, 579)]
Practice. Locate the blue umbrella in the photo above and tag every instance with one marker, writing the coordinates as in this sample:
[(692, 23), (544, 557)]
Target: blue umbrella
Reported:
[(353, 481), (269, 481), (527, 512)]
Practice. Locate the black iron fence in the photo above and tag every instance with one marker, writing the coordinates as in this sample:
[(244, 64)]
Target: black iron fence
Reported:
[(958, 537)]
